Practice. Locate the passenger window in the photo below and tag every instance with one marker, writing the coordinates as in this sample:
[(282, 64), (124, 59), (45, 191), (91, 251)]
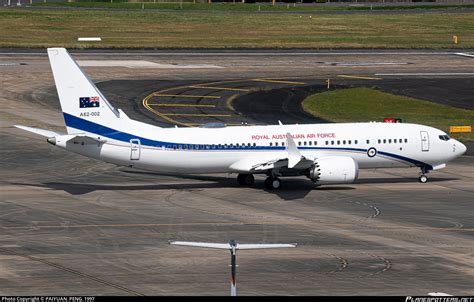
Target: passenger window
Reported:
[(271, 144), (343, 142), (327, 143), (254, 144), (368, 142), (379, 141), (310, 143), (338, 142), (389, 141), (276, 144), (315, 143), (406, 140), (283, 144), (349, 142), (384, 141), (355, 142), (332, 142), (174, 147), (299, 143), (400, 140), (304, 143)]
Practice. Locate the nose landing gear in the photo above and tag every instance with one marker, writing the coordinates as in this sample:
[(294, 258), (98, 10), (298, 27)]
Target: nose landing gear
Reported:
[(422, 178)]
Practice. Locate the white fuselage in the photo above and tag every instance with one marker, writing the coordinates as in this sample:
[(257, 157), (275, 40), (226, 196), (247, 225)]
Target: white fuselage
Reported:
[(215, 150)]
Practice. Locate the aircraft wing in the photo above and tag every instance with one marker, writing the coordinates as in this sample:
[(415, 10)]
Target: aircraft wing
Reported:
[(224, 246), (292, 159), (264, 246)]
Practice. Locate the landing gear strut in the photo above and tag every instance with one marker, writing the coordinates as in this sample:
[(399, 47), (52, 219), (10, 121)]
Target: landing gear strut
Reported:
[(423, 178), (245, 179), (272, 183)]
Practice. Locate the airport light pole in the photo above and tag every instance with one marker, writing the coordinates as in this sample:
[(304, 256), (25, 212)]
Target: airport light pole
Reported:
[(233, 246)]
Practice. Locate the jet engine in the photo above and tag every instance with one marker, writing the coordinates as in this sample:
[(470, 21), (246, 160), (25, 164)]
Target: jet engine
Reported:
[(334, 170)]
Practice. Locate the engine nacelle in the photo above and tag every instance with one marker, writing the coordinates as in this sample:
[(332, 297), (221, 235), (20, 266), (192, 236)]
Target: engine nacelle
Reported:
[(334, 170)]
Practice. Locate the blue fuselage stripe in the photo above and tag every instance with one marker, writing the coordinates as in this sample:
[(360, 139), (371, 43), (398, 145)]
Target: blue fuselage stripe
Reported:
[(100, 130)]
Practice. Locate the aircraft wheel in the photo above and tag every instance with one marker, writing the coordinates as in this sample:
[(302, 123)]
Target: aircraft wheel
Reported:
[(423, 179), (273, 183), (245, 179)]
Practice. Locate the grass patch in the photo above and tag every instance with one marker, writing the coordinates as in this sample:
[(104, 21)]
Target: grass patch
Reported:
[(264, 7), (138, 29), (365, 104)]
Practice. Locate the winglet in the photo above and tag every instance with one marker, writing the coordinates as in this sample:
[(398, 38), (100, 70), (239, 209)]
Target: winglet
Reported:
[(294, 156)]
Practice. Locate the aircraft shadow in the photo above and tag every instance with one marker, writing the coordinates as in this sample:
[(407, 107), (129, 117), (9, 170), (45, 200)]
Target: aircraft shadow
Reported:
[(398, 180), (291, 189)]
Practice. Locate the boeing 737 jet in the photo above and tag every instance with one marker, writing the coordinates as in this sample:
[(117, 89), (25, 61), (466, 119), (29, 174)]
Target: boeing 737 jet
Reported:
[(329, 153)]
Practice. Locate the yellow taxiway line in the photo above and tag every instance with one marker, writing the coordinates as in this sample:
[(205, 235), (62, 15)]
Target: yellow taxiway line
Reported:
[(358, 77), (278, 81), (188, 96), (219, 88), (182, 105), (194, 114)]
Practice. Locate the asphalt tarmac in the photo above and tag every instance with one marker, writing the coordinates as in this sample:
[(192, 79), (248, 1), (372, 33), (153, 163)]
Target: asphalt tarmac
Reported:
[(70, 225)]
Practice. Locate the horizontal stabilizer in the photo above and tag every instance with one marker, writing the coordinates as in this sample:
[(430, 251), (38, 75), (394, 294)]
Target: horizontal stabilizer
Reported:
[(225, 246), (42, 132)]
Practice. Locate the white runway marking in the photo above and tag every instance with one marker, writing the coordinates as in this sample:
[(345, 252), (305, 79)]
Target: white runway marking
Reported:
[(427, 74), (464, 54), (140, 64), (364, 63)]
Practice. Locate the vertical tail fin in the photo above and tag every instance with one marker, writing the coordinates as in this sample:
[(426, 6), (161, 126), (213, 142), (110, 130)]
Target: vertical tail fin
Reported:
[(83, 105)]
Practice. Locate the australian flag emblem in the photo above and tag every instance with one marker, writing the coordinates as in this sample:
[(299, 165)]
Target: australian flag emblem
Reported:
[(89, 102)]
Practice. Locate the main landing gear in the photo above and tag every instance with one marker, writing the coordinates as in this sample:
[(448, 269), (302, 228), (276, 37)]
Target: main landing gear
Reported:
[(272, 183), (245, 179)]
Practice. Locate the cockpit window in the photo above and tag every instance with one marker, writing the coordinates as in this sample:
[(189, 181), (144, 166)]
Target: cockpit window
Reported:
[(444, 137)]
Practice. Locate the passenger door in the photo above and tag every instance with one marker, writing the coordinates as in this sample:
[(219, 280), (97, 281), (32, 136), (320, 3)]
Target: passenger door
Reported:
[(425, 141), (135, 149)]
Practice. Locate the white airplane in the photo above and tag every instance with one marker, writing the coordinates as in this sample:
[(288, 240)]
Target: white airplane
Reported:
[(325, 153)]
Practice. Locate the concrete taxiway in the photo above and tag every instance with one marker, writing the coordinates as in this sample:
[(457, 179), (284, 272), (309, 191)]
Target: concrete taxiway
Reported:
[(76, 226)]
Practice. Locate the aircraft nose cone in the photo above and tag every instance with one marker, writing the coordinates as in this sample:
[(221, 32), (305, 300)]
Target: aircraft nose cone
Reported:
[(461, 148)]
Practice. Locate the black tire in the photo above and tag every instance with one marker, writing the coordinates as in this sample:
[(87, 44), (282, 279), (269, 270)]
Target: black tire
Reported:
[(245, 179), (423, 179), (272, 183)]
